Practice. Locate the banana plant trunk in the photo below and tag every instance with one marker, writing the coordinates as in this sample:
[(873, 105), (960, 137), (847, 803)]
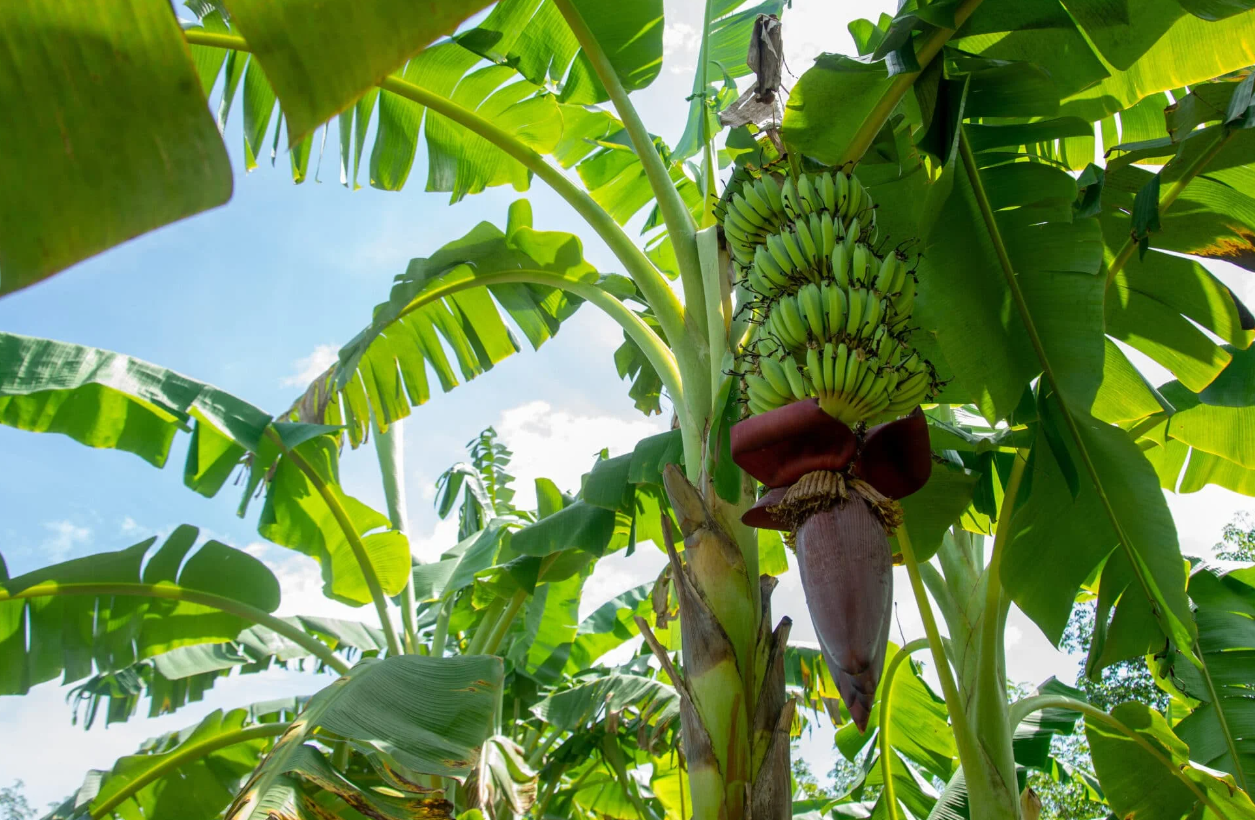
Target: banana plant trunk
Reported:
[(735, 715)]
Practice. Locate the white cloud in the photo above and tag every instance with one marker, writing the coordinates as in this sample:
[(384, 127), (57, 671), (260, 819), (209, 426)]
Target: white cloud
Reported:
[(65, 536), (130, 526), (562, 446), (311, 367)]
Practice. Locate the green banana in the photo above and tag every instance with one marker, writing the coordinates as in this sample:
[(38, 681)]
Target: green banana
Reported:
[(862, 259), (761, 390), (829, 365), (807, 242), (755, 197), (806, 193), (843, 192), (872, 312), (815, 366), (771, 192), (841, 266), (888, 274), (773, 372), (828, 234), (853, 371), (834, 301), (839, 366), (794, 249), (797, 383), (775, 246), (768, 268), (793, 320), (899, 278), (788, 192), (858, 302), (828, 191), (852, 235), (812, 304), (748, 214)]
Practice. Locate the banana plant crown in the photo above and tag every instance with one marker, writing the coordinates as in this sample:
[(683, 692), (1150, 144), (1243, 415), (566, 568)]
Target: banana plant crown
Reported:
[(832, 312)]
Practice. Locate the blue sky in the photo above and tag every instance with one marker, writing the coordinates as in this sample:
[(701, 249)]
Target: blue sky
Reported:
[(254, 294)]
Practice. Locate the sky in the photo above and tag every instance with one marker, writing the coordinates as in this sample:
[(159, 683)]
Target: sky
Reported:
[(256, 297)]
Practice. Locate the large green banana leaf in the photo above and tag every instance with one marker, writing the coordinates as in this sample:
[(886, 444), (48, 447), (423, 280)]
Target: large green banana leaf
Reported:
[(1219, 729), (462, 294), (94, 120), (173, 679), (190, 773), (412, 714), (977, 335), (102, 611), (1153, 776), (106, 399)]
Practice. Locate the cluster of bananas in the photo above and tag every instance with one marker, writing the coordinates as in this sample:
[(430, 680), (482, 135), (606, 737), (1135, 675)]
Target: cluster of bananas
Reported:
[(833, 314)]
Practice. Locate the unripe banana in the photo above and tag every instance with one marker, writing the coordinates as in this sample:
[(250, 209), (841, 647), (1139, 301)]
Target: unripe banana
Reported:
[(774, 374), (834, 301), (806, 193), (841, 266), (755, 281), (839, 367), (862, 258), (760, 390), (788, 192), (807, 242), (768, 268), (852, 235), (872, 312), (794, 250), (771, 192), (904, 301), (796, 382), (775, 246), (887, 274), (829, 364), (828, 191), (754, 195), (870, 368), (899, 278), (747, 213), (828, 235), (853, 371), (843, 192), (858, 299), (857, 196), (736, 226), (793, 321), (812, 309), (814, 366)]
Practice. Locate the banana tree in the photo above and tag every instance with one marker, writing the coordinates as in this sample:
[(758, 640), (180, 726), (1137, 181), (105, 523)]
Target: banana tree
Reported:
[(963, 141)]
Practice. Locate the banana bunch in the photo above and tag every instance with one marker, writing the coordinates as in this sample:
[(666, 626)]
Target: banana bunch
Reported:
[(836, 310), (806, 218)]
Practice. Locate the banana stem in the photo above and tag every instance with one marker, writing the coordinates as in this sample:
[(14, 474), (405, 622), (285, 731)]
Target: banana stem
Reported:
[(486, 626), (350, 535), (886, 689), (441, 636), (964, 738), (503, 625), (674, 212), (390, 448)]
